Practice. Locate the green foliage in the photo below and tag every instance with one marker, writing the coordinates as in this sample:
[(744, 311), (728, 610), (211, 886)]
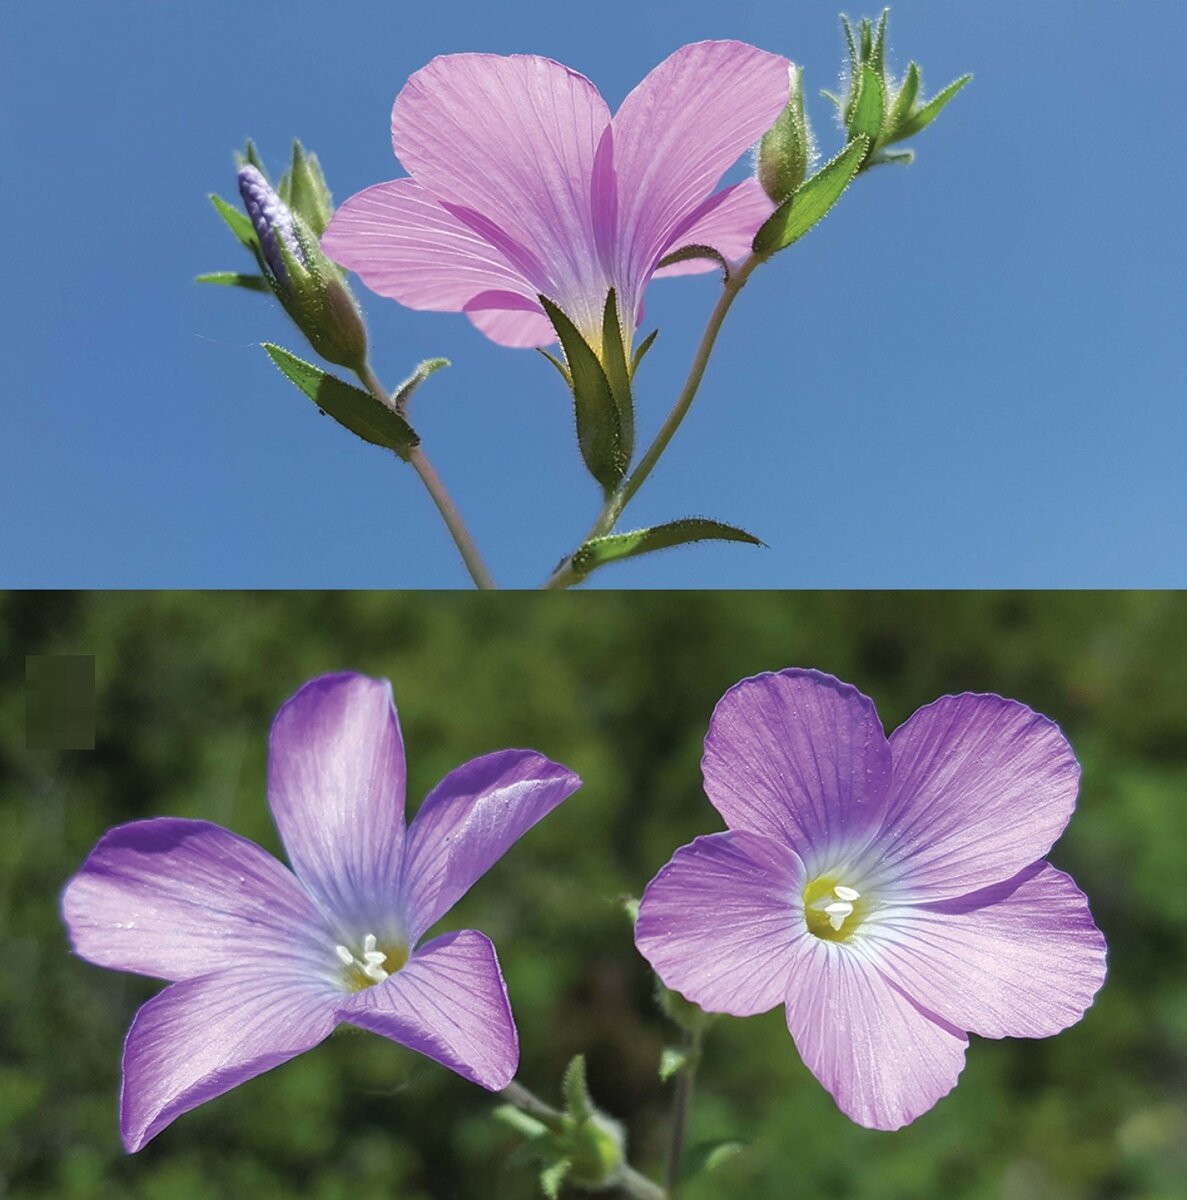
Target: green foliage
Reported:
[(620, 688), (253, 283), (613, 547)]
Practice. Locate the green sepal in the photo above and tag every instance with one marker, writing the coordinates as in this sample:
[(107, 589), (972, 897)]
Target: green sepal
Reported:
[(560, 366), (253, 283), (618, 374), (630, 906), (673, 1060), (642, 349), (252, 155), (877, 55), (799, 213), (599, 428), (575, 1089), (552, 1176), (358, 411), (238, 222), (690, 1017), (686, 253), (904, 101), (927, 114), (708, 1156), (308, 193), (403, 393), (869, 111), (520, 1121), (902, 157), (599, 551)]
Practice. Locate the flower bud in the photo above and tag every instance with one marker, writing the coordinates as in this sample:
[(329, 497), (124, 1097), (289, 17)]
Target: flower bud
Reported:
[(787, 148)]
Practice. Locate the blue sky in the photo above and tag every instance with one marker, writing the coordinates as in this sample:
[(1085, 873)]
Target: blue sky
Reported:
[(972, 374)]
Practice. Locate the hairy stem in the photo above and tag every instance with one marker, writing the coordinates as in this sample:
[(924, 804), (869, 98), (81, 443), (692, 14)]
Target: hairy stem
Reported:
[(438, 491), (564, 576), (681, 1109)]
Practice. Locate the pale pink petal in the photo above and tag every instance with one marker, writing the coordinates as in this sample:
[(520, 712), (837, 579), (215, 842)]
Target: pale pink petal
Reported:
[(448, 1002), (202, 1037), (675, 136), (982, 788), (510, 320), (883, 1059), (800, 757), (508, 143), (729, 229), (1021, 959), (404, 245), (176, 899), (336, 787), (718, 923)]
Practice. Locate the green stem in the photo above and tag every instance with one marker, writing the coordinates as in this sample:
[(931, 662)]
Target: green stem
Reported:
[(564, 576), (438, 491), (681, 1108)]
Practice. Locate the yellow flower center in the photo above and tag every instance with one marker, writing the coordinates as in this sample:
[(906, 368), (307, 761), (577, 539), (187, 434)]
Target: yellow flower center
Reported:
[(373, 965), (832, 909)]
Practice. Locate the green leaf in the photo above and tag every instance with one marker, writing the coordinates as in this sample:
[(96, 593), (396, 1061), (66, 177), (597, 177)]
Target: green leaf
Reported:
[(253, 283), (403, 393), (643, 347), (553, 1176), (870, 110), (239, 222), (798, 214), (575, 1088), (358, 411), (900, 110), (928, 113), (673, 1060), (854, 57), (867, 33), (686, 253), (599, 430), (597, 552), (309, 194), (708, 1156), (877, 57), (618, 374)]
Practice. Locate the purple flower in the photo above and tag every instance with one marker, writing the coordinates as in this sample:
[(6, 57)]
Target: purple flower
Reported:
[(521, 184), (266, 962), (271, 218), (890, 892)]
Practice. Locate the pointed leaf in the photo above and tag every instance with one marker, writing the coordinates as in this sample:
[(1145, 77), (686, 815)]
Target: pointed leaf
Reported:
[(252, 156), (599, 432), (643, 347), (253, 283), (239, 222), (403, 393), (578, 1102), (798, 214), (673, 1060), (618, 374), (900, 110), (553, 1176), (310, 196), (601, 550), (560, 366), (928, 113), (878, 53), (359, 411), (708, 1156), (870, 110), (854, 57), (867, 33)]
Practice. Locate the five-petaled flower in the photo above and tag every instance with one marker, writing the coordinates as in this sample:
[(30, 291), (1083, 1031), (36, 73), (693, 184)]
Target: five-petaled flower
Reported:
[(890, 892), (266, 962), (522, 184)]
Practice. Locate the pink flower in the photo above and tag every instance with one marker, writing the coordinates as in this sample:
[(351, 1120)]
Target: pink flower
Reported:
[(890, 892), (521, 184)]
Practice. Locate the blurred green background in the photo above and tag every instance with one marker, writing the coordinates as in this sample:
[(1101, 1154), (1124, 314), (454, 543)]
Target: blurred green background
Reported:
[(619, 687)]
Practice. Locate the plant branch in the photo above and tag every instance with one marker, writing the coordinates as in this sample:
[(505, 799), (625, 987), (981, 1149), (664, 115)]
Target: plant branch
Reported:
[(681, 1109)]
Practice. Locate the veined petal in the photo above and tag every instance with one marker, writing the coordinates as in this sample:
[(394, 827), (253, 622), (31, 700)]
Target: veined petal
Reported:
[(448, 1002), (469, 821), (510, 320), (1020, 959), (883, 1059), (176, 899), (201, 1037), (729, 228), (336, 787), (719, 922), (675, 136), (982, 788), (511, 141), (800, 757), (404, 245)]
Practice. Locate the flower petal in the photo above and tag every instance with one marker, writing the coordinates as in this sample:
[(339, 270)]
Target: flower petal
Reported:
[(176, 899), (718, 923), (800, 757), (1021, 959), (404, 245), (201, 1037), (729, 229), (883, 1059), (675, 136), (336, 787), (510, 141), (509, 320), (448, 1002), (469, 821), (982, 788)]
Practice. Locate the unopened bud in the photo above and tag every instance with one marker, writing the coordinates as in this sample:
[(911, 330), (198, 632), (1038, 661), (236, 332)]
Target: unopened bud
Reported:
[(787, 148), (271, 218)]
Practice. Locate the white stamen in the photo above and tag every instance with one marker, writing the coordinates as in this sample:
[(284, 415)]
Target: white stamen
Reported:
[(837, 912), (345, 955), (369, 944), (846, 893), (370, 963)]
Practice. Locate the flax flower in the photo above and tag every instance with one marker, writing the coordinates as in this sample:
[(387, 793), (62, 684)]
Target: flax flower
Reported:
[(891, 893), (522, 184), (266, 962)]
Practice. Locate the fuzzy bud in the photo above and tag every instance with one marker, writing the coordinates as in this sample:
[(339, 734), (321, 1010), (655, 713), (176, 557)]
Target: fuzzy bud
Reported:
[(787, 148)]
